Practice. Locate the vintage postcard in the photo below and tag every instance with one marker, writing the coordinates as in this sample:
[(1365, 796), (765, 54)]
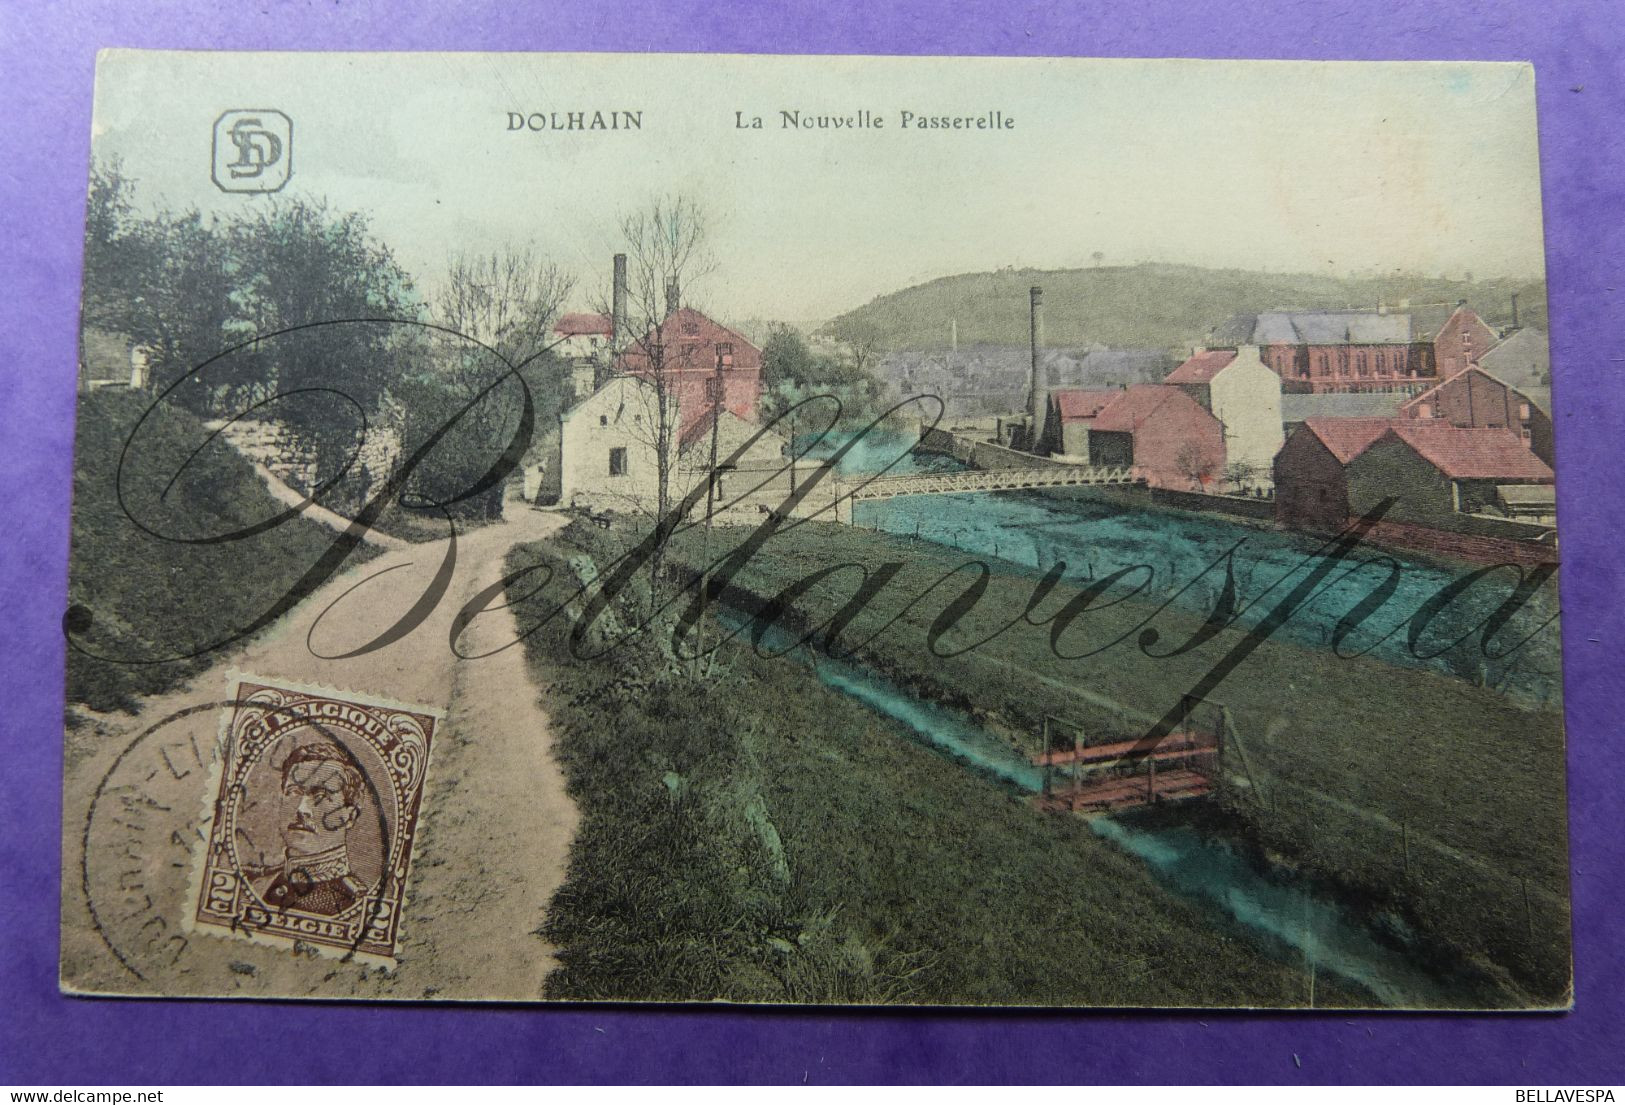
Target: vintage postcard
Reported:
[(922, 531)]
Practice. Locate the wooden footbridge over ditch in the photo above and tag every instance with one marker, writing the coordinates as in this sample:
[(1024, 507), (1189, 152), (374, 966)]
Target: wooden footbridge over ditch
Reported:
[(1114, 775), (993, 479)]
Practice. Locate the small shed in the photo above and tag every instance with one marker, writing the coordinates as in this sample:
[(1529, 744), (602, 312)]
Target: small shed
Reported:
[(1531, 502), (1311, 484)]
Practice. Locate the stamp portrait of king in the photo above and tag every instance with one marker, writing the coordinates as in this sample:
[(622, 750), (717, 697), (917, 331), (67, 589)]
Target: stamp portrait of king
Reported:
[(312, 823), (321, 792)]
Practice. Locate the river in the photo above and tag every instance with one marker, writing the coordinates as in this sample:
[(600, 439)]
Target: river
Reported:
[(1178, 556)]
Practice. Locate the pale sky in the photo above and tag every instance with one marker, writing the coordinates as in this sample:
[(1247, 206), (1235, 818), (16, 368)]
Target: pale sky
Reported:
[(1290, 166)]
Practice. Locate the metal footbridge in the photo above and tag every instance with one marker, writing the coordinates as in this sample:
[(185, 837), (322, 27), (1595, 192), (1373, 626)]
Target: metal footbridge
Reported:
[(993, 479)]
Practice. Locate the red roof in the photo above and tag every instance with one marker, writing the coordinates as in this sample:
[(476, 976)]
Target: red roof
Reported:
[(689, 340), (1133, 405), (1201, 368), (1347, 438), (1473, 454), (580, 323), (1078, 405)]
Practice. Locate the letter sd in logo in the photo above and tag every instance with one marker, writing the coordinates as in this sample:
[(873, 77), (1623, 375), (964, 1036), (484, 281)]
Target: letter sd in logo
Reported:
[(253, 151)]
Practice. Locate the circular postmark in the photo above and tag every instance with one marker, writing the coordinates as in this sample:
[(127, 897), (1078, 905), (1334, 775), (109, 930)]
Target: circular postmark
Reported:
[(283, 815)]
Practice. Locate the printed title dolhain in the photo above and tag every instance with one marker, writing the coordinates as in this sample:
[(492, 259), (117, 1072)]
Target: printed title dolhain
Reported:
[(613, 119)]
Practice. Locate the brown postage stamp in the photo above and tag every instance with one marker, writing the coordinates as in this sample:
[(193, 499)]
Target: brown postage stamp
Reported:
[(314, 814)]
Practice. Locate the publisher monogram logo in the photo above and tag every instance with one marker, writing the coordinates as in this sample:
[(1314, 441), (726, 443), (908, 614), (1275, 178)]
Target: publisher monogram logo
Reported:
[(253, 151)]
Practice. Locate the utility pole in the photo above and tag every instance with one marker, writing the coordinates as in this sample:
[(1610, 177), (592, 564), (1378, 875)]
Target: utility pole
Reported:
[(715, 396)]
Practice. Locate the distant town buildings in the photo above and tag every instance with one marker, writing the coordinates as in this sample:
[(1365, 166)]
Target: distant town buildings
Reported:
[(994, 380), (1330, 412)]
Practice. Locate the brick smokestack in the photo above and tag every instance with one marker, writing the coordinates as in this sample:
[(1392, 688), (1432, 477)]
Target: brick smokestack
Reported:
[(674, 298), (617, 318), (1514, 310), (1037, 391)]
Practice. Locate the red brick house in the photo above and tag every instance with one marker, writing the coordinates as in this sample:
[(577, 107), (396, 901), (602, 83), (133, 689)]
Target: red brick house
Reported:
[(702, 361), (1311, 482), (1474, 398), (1169, 436), (1459, 341)]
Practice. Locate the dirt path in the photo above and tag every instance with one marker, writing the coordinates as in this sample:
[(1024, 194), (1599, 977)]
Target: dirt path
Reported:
[(495, 828)]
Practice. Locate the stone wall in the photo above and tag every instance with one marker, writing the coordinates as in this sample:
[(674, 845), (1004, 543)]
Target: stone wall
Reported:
[(981, 454), (1239, 506), (281, 452)]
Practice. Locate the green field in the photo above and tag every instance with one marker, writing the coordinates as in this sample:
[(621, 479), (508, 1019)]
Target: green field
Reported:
[(751, 834), (1417, 792)]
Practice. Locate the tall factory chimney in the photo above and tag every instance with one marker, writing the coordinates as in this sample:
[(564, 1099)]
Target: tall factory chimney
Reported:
[(1514, 310), (673, 296), (1037, 389), (617, 319)]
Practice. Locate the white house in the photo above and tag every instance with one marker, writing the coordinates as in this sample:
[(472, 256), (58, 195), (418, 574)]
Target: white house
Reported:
[(1244, 394), (607, 456)]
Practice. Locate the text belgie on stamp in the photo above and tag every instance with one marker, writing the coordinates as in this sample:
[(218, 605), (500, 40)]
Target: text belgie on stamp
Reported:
[(935, 531)]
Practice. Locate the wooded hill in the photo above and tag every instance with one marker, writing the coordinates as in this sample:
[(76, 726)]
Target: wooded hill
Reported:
[(1146, 305)]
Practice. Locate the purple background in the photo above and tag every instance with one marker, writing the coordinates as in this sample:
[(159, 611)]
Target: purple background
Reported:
[(47, 68)]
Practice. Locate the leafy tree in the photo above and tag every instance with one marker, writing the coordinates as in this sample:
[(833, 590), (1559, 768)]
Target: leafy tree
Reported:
[(786, 359), (109, 268), (791, 371)]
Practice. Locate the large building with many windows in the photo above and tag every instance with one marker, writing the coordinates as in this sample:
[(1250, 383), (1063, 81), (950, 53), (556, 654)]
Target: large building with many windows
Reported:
[(1354, 350)]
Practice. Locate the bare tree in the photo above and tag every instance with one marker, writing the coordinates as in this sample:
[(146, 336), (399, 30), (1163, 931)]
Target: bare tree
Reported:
[(667, 254), (508, 301), (1196, 464), (862, 345), (1241, 475)]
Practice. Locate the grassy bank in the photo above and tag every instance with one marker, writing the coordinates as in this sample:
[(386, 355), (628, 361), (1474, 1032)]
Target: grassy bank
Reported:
[(144, 598), (753, 835), (1425, 794)]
